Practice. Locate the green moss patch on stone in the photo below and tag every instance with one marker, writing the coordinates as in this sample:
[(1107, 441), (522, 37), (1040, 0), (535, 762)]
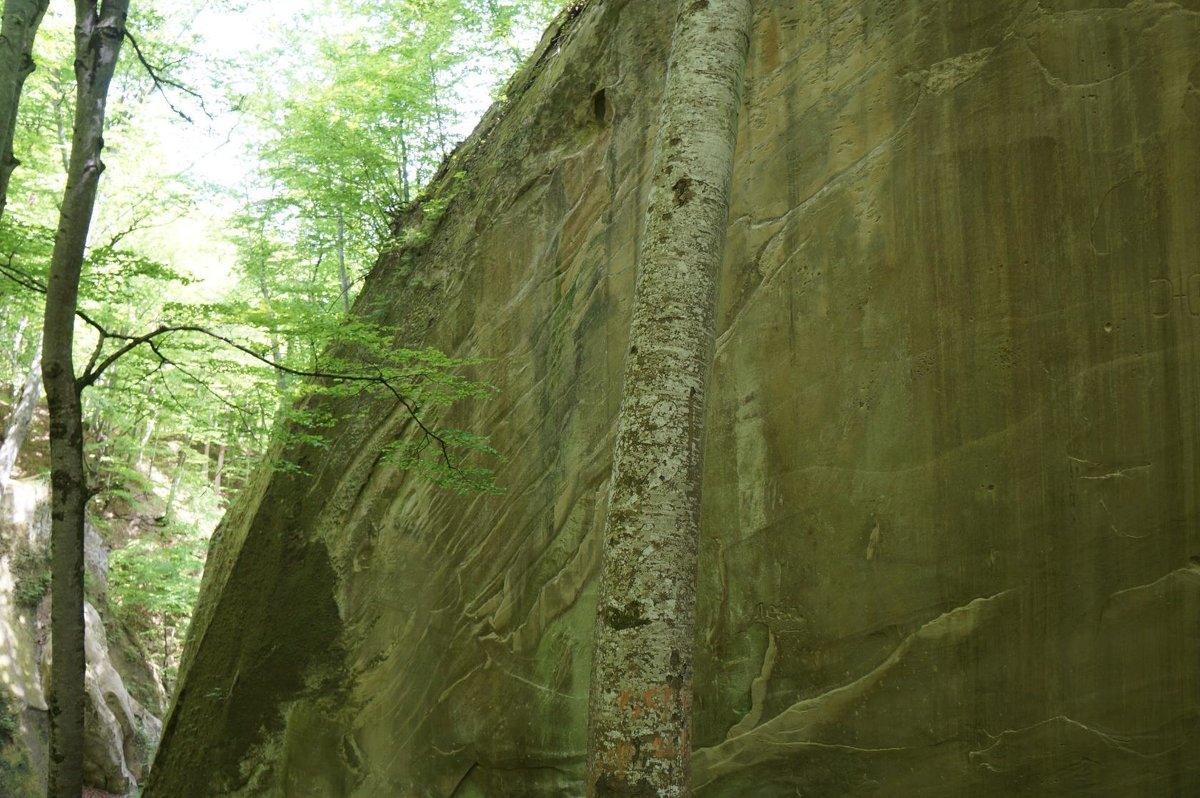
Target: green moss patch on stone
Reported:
[(31, 571), (262, 652), (17, 776)]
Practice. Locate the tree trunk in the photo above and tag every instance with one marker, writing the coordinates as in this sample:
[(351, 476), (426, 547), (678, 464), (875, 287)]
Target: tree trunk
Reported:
[(402, 161), (281, 383), (220, 470), (341, 254), (17, 31), (64, 148), (180, 462), (99, 33), (18, 426), (639, 728), (14, 354), (276, 352), (146, 436), (438, 112)]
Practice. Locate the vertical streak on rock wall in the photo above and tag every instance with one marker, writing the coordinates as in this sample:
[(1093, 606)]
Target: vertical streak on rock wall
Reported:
[(959, 486)]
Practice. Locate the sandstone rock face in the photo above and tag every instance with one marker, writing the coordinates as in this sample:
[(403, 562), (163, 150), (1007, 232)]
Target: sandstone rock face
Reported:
[(952, 532), (120, 734), (24, 513)]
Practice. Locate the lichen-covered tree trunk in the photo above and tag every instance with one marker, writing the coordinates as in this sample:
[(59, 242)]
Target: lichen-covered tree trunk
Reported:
[(22, 417), (99, 33), (639, 728), (18, 28)]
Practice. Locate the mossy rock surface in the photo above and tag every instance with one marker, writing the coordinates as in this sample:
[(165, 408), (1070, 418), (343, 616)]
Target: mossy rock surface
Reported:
[(951, 514), (18, 776)]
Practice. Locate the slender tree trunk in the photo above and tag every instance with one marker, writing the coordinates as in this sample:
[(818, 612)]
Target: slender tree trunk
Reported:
[(439, 115), (276, 351), (18, 425), (100, 427), (341, 255), (639, 729), (14, 355), (64, 149), (180, 462), (220, 470), (146, 436), (18, 28), (99, 33), (281, 382), (402, 159)]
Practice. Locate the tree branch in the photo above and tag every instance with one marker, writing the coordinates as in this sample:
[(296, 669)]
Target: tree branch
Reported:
[(96, 353), (96, 367), (26, 281), (93, 371), (241, 412), (160, 82)]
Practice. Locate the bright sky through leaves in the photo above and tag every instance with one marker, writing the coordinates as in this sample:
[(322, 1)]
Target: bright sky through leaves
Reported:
[(244, 48)]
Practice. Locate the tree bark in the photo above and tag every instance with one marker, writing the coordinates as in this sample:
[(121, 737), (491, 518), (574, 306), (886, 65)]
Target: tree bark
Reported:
[(99, 33), (639, 728), (22, 417), (18, 28)]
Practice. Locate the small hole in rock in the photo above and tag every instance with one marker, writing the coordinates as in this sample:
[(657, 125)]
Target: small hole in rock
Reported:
[(600, 106)]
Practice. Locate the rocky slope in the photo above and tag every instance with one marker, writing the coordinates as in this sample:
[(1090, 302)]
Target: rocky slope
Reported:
[(121, 733), (952, 534)]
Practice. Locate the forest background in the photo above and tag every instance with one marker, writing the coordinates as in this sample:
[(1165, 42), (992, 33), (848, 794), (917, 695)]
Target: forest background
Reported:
[(256, 156)]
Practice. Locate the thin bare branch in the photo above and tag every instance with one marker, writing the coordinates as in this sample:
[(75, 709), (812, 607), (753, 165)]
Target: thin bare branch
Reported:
[(161, 83), (95, 369), (96, 353)]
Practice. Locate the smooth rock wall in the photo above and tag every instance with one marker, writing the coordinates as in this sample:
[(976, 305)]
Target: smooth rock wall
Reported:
[(952, 507)]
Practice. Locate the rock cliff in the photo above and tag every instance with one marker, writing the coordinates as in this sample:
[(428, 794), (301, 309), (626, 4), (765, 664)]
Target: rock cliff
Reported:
[(952, 515), (120, 733)]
